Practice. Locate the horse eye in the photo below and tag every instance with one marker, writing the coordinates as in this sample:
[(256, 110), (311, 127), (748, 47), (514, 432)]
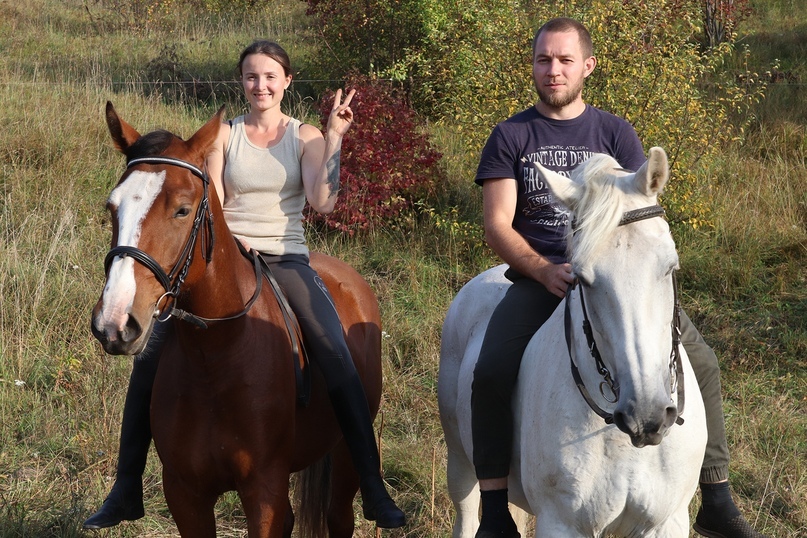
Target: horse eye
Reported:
[(671, 269), (183, 211)]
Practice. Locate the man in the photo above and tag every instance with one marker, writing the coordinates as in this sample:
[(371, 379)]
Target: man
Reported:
[(526, 228)]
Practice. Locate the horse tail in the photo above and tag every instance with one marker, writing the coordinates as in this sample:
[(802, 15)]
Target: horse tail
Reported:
[(312, 494)]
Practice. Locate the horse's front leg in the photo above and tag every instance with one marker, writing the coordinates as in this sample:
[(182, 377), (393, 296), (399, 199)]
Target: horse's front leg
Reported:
[(266, 504), (193, 511), (463, 488)]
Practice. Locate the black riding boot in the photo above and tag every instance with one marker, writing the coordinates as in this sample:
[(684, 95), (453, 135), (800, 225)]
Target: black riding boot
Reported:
[(125, 500), (719, 517), (353, 414)]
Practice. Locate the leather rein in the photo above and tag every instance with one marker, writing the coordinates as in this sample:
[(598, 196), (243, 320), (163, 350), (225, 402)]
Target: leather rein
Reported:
[(609, 383)]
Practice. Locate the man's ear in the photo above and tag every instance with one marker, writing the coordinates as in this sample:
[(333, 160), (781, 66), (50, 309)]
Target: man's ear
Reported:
[(590, 63)]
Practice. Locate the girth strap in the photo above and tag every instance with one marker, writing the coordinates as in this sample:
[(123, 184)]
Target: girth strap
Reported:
[(302, 369)]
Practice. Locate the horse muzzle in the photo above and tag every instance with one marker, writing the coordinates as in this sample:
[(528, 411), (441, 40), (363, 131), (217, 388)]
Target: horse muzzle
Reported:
[(126, 338), (645, 430)]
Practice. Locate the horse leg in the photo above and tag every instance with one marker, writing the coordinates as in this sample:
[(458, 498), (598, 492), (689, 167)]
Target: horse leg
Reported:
[(193, 511), (463, 488), (266, 505), (344, 485), (676, 526)]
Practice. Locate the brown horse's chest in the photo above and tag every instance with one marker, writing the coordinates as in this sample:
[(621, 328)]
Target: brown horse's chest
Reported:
[(209, 414)]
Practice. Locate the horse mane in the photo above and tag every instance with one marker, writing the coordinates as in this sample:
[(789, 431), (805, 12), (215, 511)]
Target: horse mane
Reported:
[(597, 212), (150, 145)]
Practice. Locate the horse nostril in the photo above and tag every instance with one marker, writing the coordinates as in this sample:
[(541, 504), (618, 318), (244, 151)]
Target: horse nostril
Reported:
[(97, 333), (131, 331), (621, 422), (671, 415)]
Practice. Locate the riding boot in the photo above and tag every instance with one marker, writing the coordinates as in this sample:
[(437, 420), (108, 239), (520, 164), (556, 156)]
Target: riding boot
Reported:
[(125, 500), (353, 414), (719, 517)]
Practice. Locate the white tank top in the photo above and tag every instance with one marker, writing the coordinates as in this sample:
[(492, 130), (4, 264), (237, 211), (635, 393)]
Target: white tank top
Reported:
[(263, 191)]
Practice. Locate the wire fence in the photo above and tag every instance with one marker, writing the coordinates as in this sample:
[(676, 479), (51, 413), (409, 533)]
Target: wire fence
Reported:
[(304, 93)]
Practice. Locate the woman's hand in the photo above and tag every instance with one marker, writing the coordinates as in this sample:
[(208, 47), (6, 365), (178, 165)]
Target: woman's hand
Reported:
[(341, 114)]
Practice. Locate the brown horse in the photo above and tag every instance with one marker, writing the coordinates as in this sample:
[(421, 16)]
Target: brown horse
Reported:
[(224, 410)]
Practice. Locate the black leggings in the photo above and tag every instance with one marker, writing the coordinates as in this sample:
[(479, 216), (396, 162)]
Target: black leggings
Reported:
[(322, 331)]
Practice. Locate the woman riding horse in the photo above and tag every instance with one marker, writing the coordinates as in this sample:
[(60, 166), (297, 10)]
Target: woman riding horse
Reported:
[(265, 165)]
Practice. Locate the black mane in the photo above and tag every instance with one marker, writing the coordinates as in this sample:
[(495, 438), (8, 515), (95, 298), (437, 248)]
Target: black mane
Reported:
[(150, 145)]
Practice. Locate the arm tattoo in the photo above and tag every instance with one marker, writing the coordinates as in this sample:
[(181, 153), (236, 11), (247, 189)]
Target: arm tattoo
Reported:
[(333, 173)]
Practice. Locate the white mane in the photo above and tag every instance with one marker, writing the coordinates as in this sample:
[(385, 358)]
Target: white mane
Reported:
[(598, 212)]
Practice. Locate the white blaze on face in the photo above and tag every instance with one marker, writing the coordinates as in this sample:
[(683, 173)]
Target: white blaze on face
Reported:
[(133, 199)]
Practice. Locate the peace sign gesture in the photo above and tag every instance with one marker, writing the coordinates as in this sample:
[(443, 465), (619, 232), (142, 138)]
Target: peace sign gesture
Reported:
[(341, 116)]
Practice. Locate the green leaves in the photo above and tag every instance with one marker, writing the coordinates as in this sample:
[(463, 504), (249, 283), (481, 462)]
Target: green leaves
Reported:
[(468, 64)]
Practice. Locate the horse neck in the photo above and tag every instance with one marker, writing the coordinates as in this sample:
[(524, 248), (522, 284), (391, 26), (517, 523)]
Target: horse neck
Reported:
[(227, 282)]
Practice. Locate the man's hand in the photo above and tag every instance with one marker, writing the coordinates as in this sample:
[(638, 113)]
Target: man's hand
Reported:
[(555, 277)]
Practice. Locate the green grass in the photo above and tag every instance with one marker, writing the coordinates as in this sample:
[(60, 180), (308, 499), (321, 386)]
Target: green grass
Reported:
[(775, 35), (61, 397)]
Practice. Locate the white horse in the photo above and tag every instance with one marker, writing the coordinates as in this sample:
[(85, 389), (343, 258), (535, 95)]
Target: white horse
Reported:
[(604, 455)]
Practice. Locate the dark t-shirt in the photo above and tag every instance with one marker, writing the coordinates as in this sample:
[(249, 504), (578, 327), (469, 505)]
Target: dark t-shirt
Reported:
[(558, 145)]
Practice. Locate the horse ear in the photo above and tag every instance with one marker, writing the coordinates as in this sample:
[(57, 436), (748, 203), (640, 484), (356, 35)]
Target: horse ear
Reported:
[(123, 134), (565, 189), (653, 175), (203, 139)]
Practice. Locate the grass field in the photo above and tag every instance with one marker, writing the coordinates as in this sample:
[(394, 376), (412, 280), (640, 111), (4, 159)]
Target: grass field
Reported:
[(61, 397)]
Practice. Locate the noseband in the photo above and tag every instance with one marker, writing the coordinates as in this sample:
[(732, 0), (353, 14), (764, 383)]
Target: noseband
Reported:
[(172, 281), (608, 383)]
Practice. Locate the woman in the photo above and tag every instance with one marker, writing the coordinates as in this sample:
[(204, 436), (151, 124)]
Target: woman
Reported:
[(264, 166)]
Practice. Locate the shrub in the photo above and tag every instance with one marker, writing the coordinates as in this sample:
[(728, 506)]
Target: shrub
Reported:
[(653, 73), (720, 18), (387, 161), (471, 69), (368, 35)]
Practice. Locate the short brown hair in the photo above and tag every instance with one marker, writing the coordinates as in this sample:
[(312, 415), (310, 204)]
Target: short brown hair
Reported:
[(566, 24)]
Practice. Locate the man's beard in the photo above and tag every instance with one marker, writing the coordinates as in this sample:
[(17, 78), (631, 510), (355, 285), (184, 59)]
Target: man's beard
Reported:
[(560, 99)]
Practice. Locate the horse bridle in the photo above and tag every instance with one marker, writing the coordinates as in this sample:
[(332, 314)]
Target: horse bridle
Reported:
[(173, 280), (676, 366)]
